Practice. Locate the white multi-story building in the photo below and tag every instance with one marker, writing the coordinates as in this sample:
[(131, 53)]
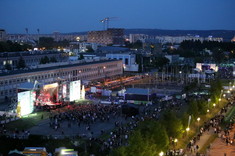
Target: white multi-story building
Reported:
[(83, 46), (170, 39), (31, 58), (135, 37), (128, 60), (10, 81)]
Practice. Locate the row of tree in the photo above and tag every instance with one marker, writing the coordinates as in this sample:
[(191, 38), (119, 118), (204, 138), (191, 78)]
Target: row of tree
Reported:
[(199, 46), (10, 46), (221, 51), (151, 136), (45, 60), (49, 43)]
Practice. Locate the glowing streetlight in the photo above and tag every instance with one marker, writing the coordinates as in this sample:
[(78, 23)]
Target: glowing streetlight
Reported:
[(214, 105), (78, 38), (208, 105), (161, 153), (208, 111), (176, 140), (198, 119), (187, 129)]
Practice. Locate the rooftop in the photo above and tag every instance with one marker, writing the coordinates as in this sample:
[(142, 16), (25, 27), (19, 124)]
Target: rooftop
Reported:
[(138, 91), (27, 53), (15, 72)]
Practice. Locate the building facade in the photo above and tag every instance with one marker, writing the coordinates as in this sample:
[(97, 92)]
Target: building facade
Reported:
[(2, 35), (128, 61), (31, 58), (110, 36), (9, 82)]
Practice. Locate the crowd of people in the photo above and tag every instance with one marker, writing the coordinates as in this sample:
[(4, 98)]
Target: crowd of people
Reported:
[(90, 114), (213, 126), (87, 114)]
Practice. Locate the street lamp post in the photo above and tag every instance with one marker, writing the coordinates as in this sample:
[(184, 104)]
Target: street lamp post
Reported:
[(214, 105), (175, 142), (198, 119), (187, 129), (208, 106)]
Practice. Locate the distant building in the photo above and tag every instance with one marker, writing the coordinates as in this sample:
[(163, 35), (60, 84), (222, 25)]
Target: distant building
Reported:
[(170, 39), (135, 37), (128, 60), (31, 58), (83, 46), (2, 35), (87, 70), (113, 36)]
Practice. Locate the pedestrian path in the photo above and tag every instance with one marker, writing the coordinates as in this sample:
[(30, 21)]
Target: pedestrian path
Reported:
[(203, 139), (220, 148)]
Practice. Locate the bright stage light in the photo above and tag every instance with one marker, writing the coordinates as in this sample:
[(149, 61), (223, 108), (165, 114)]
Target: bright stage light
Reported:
[(49, 86)]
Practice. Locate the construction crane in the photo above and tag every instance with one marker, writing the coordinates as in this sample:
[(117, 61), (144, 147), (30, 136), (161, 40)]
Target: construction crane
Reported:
[(106, 20)]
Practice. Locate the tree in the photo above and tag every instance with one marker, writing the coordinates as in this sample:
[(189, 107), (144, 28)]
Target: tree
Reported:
[(47, 42), (138, 45), (90, 49), (193, 108), (8, 66), (81, 57), (215, 90), (202, 106), (161, 61), (44, 60), (10, 46), (218, 55), (139, 61), (172, 124), (53, 59), (21, 63), (147, 140)]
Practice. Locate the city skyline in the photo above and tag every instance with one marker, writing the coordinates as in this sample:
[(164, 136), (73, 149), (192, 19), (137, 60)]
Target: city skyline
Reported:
[(78, 16)]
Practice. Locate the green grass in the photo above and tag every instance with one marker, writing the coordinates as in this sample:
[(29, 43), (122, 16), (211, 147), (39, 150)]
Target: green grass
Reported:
[(207, 144), (27, 121)]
